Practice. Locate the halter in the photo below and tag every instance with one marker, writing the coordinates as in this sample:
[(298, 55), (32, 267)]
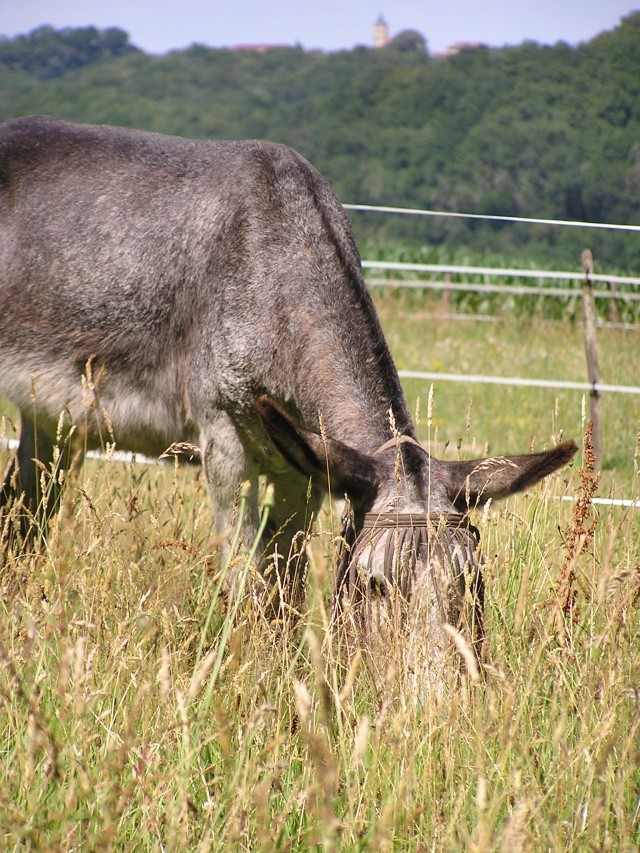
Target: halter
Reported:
[(382, 520), (378, 520), (448, 537), (396, 441)]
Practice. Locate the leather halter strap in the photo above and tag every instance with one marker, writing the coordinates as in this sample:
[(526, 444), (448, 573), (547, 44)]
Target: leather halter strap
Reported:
[(390, 519)]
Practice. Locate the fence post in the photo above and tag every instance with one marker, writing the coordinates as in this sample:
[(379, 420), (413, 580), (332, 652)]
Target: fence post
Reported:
[(591, 350)]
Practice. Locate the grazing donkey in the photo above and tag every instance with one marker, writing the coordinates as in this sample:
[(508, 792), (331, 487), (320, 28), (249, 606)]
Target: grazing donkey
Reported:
[(213, 292)]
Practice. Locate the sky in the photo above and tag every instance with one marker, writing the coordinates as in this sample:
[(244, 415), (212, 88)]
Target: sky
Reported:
[(160, 26)]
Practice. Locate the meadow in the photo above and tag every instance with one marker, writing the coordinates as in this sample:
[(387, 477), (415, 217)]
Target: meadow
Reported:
[(140, 709)]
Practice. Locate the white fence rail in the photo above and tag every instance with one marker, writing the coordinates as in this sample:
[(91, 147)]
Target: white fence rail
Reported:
[(567, 385), (558, 275), (527, 220), (513, 289), (499, 272)]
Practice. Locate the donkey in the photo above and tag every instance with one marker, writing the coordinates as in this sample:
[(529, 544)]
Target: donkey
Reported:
[(212, 292)]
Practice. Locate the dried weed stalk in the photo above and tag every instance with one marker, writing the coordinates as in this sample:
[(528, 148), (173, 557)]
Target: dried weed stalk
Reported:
[(582, 528)]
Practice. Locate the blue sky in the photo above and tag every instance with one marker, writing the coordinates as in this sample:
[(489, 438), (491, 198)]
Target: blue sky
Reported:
[(160, 26)]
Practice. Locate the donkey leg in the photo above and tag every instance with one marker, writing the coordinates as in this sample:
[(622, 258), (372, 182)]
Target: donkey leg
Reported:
[(279, 555), (295, 507), (226, 466), (6, 502), (30, 494)]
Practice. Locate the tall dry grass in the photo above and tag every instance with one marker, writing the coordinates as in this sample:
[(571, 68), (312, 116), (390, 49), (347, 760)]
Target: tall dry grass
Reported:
[(143, 709)]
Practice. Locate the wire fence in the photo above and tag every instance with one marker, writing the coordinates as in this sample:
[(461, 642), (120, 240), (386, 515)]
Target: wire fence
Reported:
[(447, 270), (445, 285), (527, 220), (620, 294), (561, 384), (504, 272), (620, 301), (548, 283)]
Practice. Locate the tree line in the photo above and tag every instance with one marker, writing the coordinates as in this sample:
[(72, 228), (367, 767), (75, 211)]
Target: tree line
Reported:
[(537, 131)]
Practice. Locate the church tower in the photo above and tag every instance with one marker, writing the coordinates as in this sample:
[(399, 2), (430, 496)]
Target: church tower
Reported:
[(381, 33)]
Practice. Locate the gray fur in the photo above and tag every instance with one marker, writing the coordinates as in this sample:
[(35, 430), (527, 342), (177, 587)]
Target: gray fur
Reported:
[(195, 278)]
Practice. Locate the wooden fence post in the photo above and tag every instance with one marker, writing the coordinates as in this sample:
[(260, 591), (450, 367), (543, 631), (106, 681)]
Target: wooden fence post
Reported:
[(591, 350)]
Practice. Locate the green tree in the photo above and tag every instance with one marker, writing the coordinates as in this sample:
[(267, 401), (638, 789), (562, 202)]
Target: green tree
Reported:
[(409, 41), (529, 130)]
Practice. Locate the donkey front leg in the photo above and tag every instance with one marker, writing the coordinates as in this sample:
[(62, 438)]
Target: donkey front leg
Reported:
[(230, 459), (227, 466)]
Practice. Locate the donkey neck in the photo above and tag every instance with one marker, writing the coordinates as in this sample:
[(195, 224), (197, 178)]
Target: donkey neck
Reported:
[(354, 387)]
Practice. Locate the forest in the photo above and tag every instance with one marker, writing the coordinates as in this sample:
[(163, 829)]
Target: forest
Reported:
[(531, 130)]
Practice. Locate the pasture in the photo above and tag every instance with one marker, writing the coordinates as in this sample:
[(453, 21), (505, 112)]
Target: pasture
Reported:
[(140, 711)]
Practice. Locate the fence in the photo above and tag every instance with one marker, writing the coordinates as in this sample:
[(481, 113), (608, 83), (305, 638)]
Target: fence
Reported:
[(588, 294), (446, 286), (527, 220)]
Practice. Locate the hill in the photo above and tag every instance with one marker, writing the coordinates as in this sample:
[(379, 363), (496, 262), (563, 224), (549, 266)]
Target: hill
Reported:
[(531, 130)]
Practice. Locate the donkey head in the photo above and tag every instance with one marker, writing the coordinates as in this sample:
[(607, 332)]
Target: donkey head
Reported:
[(409, 559)]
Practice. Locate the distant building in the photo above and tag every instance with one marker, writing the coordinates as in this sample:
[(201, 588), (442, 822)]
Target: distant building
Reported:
[(381, 33), (258, 48), (456, 48)]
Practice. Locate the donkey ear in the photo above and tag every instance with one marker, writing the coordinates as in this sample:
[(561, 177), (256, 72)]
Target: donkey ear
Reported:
[(472, 483), (331, 463)]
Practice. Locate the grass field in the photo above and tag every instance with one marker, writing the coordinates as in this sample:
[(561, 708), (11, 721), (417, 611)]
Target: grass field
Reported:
[(139, 712), (502, 419)]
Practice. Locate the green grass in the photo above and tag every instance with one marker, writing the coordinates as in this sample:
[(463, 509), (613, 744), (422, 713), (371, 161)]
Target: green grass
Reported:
[(136, 715), (503, 419)]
